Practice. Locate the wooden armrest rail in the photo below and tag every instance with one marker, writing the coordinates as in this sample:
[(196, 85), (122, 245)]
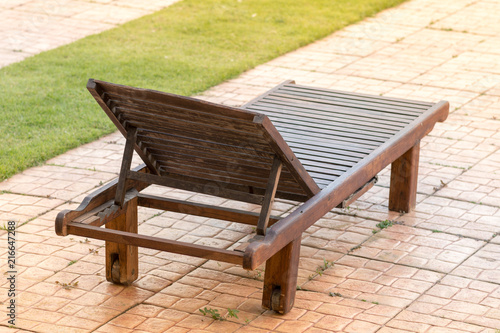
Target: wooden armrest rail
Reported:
[(130, 238), (96, 199)]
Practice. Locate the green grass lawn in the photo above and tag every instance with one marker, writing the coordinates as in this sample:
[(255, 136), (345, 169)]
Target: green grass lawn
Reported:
[(185, 49)]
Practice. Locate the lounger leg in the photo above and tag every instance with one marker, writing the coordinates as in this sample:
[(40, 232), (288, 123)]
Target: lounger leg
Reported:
[(404, 174), (122, 261), (280, 278)]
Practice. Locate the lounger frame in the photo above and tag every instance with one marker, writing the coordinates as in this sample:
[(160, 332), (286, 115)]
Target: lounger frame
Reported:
[(165, 131)]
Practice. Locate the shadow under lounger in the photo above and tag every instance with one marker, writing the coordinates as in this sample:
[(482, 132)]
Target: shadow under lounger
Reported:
[(317, 146)]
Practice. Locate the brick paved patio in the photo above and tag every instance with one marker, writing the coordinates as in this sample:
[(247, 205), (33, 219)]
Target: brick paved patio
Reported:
[(436, 269)]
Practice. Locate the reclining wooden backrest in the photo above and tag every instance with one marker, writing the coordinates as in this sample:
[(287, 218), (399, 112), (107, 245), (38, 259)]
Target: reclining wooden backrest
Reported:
[(201, 146)]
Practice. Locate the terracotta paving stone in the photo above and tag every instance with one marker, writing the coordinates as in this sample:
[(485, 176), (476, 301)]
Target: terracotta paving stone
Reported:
[(293, 326), (160, 299), (100, 314), (152, 283), (268, 323), (195, 321), (155, 325), (172, 315), (47, 328), (128, 320), (189, 305)]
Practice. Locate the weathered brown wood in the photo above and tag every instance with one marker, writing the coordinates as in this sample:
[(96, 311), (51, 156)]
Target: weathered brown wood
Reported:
[(182, 116), (284, 120), (229, 181), (199, 209), (226, 151), (268, 201), (287, 157), (97, 92), (343, 136), (195, 135), (294, 115), (327, 142), (106, 212), (218, 189), (243, 246), (217, 134), (404, 176), (280, 278), (330, 143), (356, 195), (128, 154), (292, 226), (132, 239), (96, 199), (286, 184), (159, 97), (236, 168), (125, 256), (343, 105), (345, 95)]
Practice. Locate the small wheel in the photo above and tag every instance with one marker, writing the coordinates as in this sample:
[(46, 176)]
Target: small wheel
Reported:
[(275, 299), (115, 271)]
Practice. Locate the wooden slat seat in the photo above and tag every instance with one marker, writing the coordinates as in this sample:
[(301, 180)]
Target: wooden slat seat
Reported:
[(331, 131), (317, 146)]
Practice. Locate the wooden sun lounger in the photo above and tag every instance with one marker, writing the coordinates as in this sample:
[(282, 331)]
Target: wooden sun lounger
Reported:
[(317, 146)]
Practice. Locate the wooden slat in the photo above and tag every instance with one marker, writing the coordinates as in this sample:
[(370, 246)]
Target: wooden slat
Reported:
[(339, 132), (230, 139), (191, 154), (196, 140), (287, 157), (199, 209), (201, 186), (214, 176), (323, 137), (202, 146), (274, 106), (212, 138), (162, 109), (159, 97), (126, 162), (286, 184), (348, 146), (129, 238), (96, 91), (331, 126), (357, 96), (337, 164), (201, 130), (183, 118), (313, 146), (346, 106)]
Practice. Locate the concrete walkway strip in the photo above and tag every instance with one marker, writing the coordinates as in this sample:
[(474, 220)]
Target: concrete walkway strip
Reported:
[(28, 27)]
